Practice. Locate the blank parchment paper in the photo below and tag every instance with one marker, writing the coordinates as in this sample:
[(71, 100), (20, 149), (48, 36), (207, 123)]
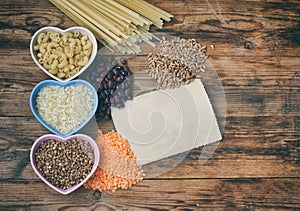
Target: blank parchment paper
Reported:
[(167, 122)]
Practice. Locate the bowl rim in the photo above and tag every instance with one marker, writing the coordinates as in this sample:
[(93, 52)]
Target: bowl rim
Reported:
[(50, 82), (47, 137), (62, 31)]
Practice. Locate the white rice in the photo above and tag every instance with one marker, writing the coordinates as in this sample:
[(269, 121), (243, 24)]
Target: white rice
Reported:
[(65, 109)]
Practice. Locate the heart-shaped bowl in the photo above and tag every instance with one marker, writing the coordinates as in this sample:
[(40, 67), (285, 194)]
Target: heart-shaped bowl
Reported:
[(37, 89), (48, 137), (81, 30)]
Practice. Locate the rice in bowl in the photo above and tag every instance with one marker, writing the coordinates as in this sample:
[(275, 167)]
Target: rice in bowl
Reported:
[(65, 108)]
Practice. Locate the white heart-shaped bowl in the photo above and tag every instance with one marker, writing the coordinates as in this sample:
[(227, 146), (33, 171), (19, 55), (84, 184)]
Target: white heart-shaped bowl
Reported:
[(58, 138), (45, 83), (82, 30)]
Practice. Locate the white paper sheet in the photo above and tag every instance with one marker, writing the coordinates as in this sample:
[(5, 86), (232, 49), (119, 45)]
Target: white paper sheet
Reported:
[(167, 122)]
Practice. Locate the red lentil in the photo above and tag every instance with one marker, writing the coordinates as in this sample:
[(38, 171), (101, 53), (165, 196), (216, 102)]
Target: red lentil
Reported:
[(118, 168)]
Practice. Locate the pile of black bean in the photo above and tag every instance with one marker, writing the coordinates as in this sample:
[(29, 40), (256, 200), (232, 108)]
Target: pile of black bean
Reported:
[(64, 164), (114, 83)]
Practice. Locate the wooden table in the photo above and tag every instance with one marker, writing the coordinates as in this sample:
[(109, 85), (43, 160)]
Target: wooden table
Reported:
[(255, 166)]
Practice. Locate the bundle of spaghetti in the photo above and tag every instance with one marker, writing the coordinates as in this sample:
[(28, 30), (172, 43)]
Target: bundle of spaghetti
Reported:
[(118, 24)]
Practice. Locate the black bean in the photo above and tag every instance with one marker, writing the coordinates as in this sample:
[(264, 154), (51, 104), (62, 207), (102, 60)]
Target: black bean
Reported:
[(101, 115), (120, 105), (112, 92), (127, 92), (108, 111), (107, 117), (101, 86), (120, 93), (112, 100), (119, 68), (117, 99), (124, 73), (124, 84), (106, 91), (105, 86), (119, 79), (129, 97), (109, 75), (107, 101), (123, 61), (128, 70), (115, 77), (104, 107), (115, 72), (110, 84), (103, 95)]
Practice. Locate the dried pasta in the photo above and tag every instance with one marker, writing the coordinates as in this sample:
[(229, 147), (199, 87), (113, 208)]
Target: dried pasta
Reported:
[(63, 55), (118, 24)]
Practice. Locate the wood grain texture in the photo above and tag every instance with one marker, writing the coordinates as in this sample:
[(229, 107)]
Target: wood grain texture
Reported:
[(254, 167), (225, 194)]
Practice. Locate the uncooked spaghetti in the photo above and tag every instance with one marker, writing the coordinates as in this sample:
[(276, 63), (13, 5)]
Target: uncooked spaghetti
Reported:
[(119, 24)]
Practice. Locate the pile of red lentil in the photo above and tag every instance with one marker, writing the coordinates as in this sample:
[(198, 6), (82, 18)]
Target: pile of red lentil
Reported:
[(117, 168)]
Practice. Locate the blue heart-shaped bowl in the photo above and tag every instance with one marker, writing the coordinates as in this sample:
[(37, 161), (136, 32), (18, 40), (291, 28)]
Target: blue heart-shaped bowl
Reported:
[(45, 83)]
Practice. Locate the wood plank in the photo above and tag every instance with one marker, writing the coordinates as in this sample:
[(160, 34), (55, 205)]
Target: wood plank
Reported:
[(227, 194), (264, 87), (278, 71), (253, 127), (245, 101), (247, 150), (263, 30)]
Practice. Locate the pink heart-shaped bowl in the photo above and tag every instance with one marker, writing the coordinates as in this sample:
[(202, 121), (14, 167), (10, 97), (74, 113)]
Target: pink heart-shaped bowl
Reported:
[(48, 137)]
